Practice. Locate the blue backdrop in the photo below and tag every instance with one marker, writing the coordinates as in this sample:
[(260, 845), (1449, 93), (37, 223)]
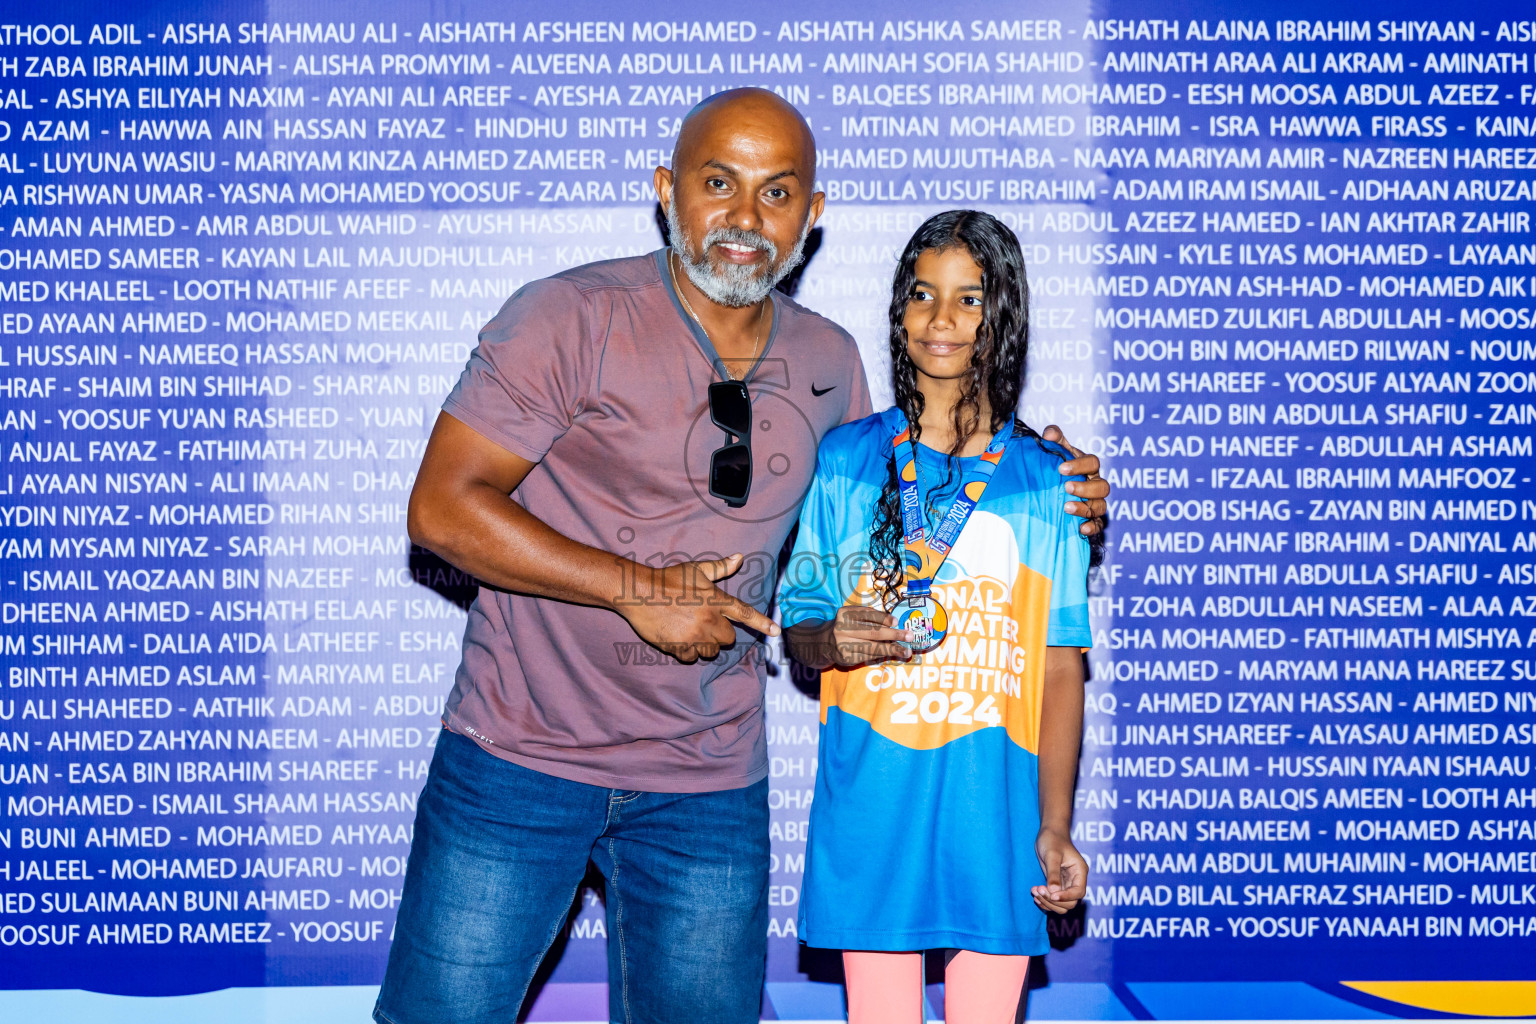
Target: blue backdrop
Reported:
[(1283, 275)]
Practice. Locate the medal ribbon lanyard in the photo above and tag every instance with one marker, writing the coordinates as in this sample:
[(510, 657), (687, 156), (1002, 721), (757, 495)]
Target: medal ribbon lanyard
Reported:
[(925, 554)]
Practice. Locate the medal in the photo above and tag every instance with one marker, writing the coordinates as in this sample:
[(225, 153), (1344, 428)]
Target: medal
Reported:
[(927, 621), (920, 612)]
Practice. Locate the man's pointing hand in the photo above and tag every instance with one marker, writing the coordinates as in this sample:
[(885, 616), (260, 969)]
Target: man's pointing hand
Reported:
[(684, 614)]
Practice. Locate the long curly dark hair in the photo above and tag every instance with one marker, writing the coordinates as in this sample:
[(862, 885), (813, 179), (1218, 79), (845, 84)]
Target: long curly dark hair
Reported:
[(997, 363)]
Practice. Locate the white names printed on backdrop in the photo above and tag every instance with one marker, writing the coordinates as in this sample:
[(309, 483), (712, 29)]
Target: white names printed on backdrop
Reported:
[(1283, 279)]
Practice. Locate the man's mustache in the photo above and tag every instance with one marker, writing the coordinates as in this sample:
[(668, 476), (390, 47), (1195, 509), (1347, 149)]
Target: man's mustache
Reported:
[(740, 236)]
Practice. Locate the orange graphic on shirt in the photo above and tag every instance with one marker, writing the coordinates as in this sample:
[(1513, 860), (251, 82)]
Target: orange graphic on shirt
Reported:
[(988, 673)]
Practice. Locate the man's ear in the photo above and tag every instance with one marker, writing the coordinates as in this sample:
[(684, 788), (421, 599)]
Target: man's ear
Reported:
[(662, 179), (818, 205)]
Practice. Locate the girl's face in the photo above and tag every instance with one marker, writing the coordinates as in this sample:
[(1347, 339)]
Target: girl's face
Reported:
[(943, 312)]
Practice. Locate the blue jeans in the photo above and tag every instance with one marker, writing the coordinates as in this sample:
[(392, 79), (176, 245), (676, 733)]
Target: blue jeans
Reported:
[(499, 853)]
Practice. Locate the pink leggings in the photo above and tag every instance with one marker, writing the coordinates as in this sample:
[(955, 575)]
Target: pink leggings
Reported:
[(887, 988)]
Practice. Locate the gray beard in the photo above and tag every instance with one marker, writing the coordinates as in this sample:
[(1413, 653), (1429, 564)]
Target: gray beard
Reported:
[(732, 285)]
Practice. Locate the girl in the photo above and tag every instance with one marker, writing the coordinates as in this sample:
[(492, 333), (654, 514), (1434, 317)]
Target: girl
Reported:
[(942, 587)]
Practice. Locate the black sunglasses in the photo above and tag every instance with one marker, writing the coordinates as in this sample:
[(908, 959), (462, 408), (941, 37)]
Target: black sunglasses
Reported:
[(730, 467)]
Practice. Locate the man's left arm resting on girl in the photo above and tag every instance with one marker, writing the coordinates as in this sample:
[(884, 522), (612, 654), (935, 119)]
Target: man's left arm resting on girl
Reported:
[(1092, 491)]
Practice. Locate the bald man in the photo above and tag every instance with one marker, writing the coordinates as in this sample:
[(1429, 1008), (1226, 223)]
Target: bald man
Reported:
[(620, 464)]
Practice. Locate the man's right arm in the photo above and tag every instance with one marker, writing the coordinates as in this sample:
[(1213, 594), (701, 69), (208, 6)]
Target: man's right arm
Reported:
[(461, 509)]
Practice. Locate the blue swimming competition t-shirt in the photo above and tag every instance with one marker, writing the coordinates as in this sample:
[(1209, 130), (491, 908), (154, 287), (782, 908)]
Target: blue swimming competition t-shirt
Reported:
[(926, 810)]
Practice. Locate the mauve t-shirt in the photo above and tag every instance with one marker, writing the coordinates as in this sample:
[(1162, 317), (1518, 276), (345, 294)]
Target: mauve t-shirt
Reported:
[(599, 376)]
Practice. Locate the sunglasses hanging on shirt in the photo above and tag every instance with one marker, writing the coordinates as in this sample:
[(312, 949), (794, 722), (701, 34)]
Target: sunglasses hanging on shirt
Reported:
[(730, 467)]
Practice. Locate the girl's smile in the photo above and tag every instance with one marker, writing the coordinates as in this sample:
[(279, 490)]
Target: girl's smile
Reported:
[(944, 348)]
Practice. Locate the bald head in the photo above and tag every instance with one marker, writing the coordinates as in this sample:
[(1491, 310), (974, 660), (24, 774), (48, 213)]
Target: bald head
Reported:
[(748, 110)]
